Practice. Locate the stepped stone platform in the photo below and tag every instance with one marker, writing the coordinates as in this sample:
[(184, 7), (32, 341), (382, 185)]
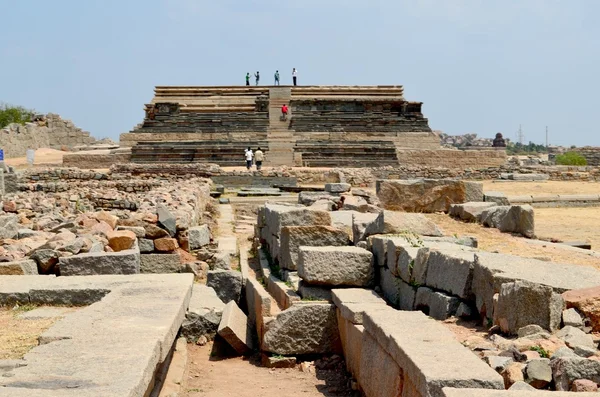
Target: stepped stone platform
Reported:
[(351, 126)]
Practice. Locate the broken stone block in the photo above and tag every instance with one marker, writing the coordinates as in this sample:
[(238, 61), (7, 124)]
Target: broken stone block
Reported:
[(123, 262), (390, 286), (575, 337), (204, 314), (407, 294), (153, 232), (522, 303), (198, 236), (121, 240), (160, 263), (314, 292), (46, 260), (571, 318), (226, 283), (513, 374), (165, 244), (451, 271), (498, 363), (221, 261), (166, 219), (292, 237), (423, 299), (335, 266), (277, 361), (442, 306), (510, 219), (139, 231), (234, 328), (18, 268), (566, 370), (520, 385), (585, 351), (539, 373), (337, 187), (587, 302), (304, 328), (469, 212), (9, 226), (146, 245), (278, 216), (465, 311), (584, 385), (107, 217)]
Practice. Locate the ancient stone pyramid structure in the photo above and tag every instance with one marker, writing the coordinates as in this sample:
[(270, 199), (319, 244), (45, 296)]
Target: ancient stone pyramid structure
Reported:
[(351, 126)]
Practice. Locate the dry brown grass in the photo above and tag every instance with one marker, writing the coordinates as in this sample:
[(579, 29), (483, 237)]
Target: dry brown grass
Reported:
[(495, 241), (537, 188), (568, 224), (18, 336)]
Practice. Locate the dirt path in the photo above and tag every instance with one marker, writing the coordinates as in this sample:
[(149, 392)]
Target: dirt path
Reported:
[(568, 224), (212, 375), (538, 188)]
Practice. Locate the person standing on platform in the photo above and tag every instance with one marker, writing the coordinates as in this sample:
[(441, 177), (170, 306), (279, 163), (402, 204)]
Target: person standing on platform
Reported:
[(249, 157), (257, 77), (259, 157), (295, 76), (277, 77), (247, 78)]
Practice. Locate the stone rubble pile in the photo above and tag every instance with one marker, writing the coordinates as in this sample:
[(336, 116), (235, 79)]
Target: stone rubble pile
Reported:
[(73, 232)]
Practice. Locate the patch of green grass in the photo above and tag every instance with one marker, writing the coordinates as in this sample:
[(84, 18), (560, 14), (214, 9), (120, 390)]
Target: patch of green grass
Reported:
[(541, 351), (289, 284), (311, 298), (570, 158), (23, 308), (195, 390), (414, 284)]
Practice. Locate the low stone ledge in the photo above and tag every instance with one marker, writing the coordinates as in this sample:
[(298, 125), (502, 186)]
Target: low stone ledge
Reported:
[(451, 392), (284, 296), (432, 358), (93, 351), (95, 263)]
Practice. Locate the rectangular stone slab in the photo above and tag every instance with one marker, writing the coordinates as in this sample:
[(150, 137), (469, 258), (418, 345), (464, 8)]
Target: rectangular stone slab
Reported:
[(234, 328), (351, 266), (431, 358), (110, 348)]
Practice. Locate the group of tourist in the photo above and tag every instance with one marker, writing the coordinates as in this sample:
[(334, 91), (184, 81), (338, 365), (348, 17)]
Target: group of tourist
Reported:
[(257, 77), (257, 157)]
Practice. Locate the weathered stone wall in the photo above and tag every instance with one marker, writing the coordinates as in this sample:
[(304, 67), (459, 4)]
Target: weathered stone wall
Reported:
[(452, 158), (97, 161), (591, 154), (54, 133)]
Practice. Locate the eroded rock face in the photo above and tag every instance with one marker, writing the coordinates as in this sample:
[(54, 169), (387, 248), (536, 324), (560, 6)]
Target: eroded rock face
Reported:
[(426, 195), (304, 328)]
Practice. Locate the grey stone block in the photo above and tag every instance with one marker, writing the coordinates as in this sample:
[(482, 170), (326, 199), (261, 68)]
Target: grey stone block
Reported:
[(123, 262), (351, 266), (234, 329), (575, 337), (160, 263), (204, 314), (442, 306), (198, 236), (139, 231), (390, 286), (407, 295), (146, 245), (304, 328), (314, 292), (571, 318), (337, 187), (18, 268), (523, 303), (451, 271), (539, 373), (166, 219), (293, 237), (566, 370), (226, 283)]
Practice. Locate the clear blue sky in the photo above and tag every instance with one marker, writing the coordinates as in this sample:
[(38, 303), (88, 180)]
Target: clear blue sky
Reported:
[(479, 66)]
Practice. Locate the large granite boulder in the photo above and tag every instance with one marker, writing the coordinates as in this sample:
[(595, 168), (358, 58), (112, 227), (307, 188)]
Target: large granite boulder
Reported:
[(469, 212), (426, 195), (292, 237), (336, 266)]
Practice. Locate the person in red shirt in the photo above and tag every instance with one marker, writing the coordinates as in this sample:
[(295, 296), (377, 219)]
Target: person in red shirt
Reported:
[(284, 112)]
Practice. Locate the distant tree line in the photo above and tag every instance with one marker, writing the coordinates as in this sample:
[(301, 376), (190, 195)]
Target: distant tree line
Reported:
[(14, 114), (514, 148)]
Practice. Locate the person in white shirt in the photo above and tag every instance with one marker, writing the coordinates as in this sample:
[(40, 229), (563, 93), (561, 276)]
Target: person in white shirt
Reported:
[(249, 157), (294, 75)]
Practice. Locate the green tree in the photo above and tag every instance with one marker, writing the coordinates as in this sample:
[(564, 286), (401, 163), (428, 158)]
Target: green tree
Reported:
[(571, 158), (14, 114)]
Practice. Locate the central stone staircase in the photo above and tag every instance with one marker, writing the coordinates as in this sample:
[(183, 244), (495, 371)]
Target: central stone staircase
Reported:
[(279, 135)]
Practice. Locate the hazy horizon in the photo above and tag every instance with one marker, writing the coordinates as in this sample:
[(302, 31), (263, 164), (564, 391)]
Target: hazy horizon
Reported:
[(479, 66)]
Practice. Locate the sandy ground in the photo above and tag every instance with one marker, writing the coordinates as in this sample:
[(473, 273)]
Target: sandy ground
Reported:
[(569, 224), (18, 336), (495, 241), (212, 374), (42, 157), (537, 188)]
